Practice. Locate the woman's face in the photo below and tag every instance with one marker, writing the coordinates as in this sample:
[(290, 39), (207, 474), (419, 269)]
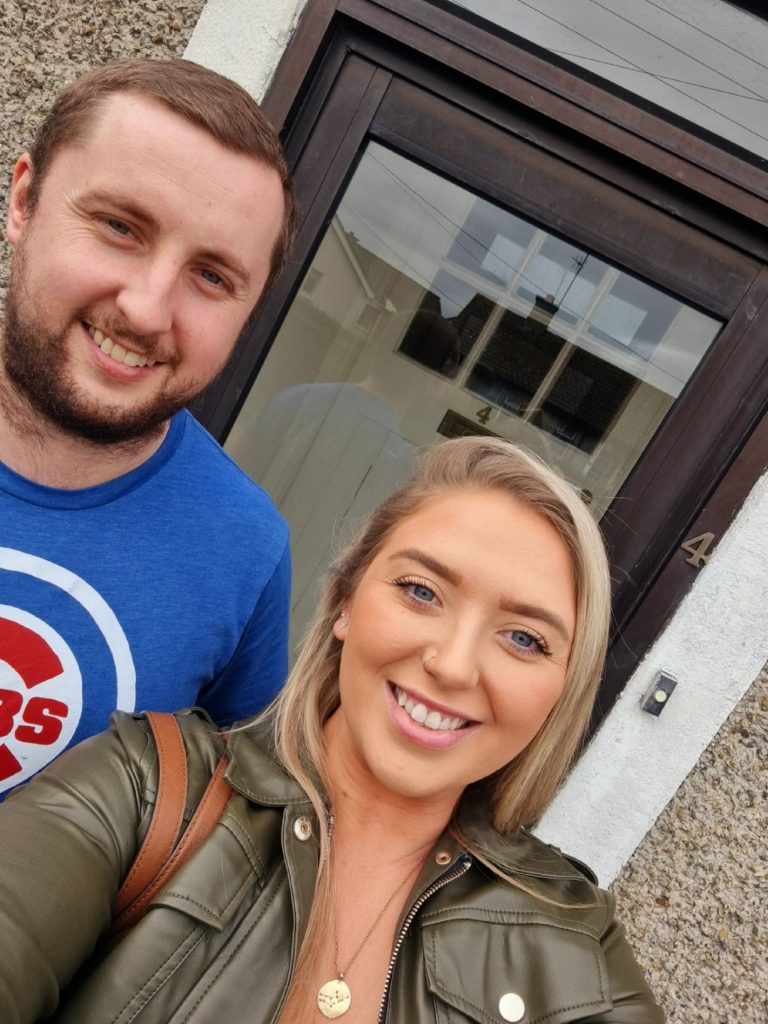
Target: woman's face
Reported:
[(455, 645)]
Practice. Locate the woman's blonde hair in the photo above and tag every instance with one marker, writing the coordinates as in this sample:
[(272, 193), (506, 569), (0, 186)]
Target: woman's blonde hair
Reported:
[(518, 793)]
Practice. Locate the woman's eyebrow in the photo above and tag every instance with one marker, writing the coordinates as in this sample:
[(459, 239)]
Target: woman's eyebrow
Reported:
[(535, 611), (506, 604), (429, 563)]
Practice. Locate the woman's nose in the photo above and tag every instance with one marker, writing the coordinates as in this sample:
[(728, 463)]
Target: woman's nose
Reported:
[(452, 660)]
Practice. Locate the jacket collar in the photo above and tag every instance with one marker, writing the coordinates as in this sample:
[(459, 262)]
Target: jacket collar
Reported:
[(520, 853), (253, 772)]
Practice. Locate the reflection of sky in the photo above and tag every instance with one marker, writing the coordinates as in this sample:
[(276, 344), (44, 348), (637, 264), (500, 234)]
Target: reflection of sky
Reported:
[(503, 258), (619, 319), (453, 293), (401, 212)]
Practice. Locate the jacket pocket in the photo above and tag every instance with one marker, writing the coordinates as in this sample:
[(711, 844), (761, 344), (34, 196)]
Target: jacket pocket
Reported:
[(547, 970)]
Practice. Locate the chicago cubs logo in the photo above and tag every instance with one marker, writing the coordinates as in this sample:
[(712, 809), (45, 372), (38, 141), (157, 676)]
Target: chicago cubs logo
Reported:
[(41, 681)]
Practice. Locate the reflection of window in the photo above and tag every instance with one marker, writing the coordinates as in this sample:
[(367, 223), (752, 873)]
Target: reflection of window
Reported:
[(516, 359), (432, 340), (529, 370)]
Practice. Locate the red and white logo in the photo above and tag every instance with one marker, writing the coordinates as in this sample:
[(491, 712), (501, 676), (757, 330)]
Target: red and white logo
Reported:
[(41, 694), (41, 685)]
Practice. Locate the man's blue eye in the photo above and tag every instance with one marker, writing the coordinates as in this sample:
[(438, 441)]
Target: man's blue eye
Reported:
[(119, 226), (211, 276)]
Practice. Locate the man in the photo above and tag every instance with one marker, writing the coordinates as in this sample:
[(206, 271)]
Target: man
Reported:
[(139, 568)]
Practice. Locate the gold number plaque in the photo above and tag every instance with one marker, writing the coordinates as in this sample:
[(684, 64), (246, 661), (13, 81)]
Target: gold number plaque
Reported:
[(697, 548)]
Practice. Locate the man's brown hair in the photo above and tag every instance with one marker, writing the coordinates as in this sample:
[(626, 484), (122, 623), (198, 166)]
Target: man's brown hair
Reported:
[(212, 102)]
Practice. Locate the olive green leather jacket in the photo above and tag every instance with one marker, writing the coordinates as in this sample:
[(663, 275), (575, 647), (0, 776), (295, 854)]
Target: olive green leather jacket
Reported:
[(217, 946)]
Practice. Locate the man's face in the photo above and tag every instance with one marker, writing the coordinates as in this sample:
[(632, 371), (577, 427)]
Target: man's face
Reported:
[(148, 247)]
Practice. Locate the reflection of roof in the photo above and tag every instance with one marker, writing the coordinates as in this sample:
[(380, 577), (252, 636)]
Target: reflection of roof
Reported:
[(379, 274)]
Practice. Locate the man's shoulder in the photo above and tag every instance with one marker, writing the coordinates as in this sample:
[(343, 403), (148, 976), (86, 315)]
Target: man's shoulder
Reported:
[(212, 470)]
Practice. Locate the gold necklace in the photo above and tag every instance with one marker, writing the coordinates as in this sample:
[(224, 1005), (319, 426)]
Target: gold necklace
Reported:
[(334, 997)]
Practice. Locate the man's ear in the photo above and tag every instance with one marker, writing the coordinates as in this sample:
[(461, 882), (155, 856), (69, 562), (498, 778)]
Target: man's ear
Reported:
[(17, 205)]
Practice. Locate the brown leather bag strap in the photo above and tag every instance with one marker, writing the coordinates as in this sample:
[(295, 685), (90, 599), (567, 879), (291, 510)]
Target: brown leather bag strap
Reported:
[(168, 813), (202, 823)]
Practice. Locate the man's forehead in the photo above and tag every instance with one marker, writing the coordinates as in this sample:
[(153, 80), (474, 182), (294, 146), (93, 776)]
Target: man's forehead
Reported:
[(139, 141)]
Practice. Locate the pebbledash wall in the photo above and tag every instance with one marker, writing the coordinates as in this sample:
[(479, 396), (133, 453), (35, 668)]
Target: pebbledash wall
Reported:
[(672, 811)]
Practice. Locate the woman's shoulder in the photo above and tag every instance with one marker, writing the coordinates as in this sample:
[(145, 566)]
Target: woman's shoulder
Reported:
[(203, 744)]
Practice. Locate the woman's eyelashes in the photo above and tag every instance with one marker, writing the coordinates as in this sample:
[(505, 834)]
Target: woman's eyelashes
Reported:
[(527, 643), (416, 591)]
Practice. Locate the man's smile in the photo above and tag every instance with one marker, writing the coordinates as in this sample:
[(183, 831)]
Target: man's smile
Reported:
[(117, 351)]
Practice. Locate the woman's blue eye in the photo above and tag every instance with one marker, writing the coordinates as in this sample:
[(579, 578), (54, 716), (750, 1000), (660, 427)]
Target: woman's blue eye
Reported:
[(421, 592), (524, 640)]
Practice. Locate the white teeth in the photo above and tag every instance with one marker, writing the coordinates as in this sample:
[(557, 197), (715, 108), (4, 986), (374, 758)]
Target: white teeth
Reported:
[(116, 351), (433, 720), (419, 714), (430, 719)]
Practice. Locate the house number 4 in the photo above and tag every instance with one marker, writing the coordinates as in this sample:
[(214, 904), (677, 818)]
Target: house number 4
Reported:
[(697, 548)]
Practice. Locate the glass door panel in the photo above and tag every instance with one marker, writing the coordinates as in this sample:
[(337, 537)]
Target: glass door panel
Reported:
[(430, 312)]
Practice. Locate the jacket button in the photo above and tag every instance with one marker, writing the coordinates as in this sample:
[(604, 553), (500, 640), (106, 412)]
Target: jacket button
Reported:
[(443, 857), (511, 1006), (302, 828)]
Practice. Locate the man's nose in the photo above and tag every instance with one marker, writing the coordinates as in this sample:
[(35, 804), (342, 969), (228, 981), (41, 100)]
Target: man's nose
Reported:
[(146, 299), (453, 658)]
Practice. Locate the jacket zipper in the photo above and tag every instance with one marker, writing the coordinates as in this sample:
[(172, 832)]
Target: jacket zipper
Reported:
[(455, 872)]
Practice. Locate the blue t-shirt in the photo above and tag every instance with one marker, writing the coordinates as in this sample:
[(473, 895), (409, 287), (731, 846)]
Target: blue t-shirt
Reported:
[(166, 587)]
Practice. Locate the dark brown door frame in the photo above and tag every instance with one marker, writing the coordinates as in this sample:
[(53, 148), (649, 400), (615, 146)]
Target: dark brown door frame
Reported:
[(348, 56)]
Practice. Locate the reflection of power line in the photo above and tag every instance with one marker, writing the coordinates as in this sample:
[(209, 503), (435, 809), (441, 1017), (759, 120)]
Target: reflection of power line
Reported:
[(630, 64), (677, 49), (429, 209), (580, 262), (658, 78), (420, 278), (697, 28)]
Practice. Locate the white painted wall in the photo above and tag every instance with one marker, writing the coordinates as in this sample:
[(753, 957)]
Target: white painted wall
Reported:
[(244, 39), (717, 642), (715, 646)]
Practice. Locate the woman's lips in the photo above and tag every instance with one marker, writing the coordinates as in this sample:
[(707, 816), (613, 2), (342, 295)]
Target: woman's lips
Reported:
[(403, 705)]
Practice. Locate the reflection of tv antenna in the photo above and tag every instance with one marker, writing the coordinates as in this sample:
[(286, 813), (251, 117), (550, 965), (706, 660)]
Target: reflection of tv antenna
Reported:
[(579, 262)]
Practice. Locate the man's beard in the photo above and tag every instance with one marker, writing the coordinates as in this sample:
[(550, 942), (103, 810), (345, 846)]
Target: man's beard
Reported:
[(34, 360)]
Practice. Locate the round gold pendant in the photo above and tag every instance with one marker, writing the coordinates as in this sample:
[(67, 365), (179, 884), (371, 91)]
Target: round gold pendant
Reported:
[(334, 998)]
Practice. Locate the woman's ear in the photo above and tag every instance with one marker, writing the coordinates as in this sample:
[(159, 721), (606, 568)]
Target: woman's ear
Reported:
[(341, 625), (18, 203)]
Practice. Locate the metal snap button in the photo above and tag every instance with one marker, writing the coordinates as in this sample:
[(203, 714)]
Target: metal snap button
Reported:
[(511, 1007), (442, 857), (302, 828)]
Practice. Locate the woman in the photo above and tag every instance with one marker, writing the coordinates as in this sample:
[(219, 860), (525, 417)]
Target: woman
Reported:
[(372, 861)]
